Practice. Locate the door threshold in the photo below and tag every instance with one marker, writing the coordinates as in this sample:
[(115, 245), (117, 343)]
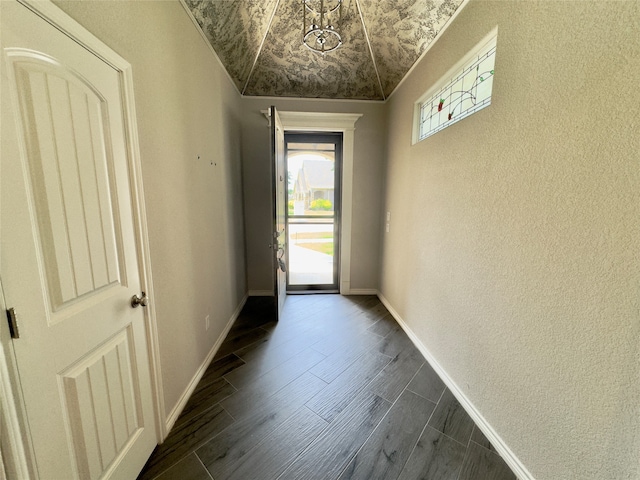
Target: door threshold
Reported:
[(311, 292)]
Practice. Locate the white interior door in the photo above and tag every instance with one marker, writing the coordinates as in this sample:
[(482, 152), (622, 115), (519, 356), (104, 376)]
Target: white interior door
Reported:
[(68, 255), (279, 210)]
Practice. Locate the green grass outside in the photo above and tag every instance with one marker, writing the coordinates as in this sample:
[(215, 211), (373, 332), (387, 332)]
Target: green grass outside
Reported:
[(323, 247), (311, 235)]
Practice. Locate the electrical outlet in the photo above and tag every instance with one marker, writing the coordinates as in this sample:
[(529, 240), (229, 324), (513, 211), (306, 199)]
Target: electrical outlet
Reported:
[(388, 216), (207, 324)]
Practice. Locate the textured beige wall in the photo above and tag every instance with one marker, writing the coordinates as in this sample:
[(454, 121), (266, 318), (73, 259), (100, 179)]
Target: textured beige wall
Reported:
[(513, 250), (368, 162), (186, 108)]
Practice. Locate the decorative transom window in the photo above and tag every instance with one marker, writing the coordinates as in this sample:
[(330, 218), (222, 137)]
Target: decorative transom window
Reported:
[(464, 90)]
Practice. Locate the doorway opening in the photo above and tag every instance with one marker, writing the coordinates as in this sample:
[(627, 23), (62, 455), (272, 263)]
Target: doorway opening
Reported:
[(314, 164)]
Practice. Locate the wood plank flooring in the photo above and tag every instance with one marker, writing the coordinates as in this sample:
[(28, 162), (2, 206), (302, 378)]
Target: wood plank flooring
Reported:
[(333, 391)]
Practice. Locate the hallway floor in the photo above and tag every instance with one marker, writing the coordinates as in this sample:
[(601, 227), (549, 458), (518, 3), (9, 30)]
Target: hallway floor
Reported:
[(335, 390)]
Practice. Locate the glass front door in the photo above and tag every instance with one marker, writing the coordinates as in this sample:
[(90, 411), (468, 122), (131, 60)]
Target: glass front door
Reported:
[(313, 210)]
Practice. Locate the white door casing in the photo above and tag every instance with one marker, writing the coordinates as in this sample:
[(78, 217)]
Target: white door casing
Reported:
[(15, 446), (70, 255), (345, 124)]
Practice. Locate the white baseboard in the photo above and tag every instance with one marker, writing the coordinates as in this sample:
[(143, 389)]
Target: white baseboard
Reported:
[(177, 409), (505, 452), (363, 291), (353, 291), (260, 293)]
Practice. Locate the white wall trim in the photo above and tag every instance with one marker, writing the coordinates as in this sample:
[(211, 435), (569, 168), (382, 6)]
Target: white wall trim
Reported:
[(144, 249), (273, 99), (318, 121), (505, 452), (184, 398), (345, 124)]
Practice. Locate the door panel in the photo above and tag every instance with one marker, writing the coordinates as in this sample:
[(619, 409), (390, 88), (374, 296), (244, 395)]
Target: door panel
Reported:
[(104, 380), (279, 211), (68, 172), (68, 255)]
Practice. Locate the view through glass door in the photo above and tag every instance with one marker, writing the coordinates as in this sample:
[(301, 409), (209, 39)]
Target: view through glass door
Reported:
[(313, 210)]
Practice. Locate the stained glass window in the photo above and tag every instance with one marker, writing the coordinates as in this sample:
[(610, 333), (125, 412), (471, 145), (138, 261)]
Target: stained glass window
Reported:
[(464, 91)]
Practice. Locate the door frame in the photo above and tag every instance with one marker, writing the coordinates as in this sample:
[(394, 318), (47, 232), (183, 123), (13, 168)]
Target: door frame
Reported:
[(67, 25), (16, 451), (338, 123), (337, 139)]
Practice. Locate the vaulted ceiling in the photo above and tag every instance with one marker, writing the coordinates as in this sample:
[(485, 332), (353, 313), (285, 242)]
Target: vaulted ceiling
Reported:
[(260, 44)]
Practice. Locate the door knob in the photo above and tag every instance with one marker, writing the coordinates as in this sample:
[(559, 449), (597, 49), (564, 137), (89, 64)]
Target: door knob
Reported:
[(141, 300)]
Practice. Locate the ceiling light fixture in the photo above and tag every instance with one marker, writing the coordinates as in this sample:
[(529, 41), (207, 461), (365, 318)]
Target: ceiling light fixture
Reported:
[(320, 23)]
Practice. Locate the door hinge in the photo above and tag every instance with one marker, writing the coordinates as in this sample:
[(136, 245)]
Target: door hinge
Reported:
[(12, 317)]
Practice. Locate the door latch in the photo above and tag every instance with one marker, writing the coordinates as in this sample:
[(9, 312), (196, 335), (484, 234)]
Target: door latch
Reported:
[(12, 317)]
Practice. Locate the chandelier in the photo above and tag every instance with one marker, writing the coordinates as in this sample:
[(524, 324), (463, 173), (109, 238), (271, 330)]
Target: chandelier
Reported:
[(320, 23)]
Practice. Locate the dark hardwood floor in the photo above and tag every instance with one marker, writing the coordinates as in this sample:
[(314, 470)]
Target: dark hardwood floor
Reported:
[(334, 390)]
